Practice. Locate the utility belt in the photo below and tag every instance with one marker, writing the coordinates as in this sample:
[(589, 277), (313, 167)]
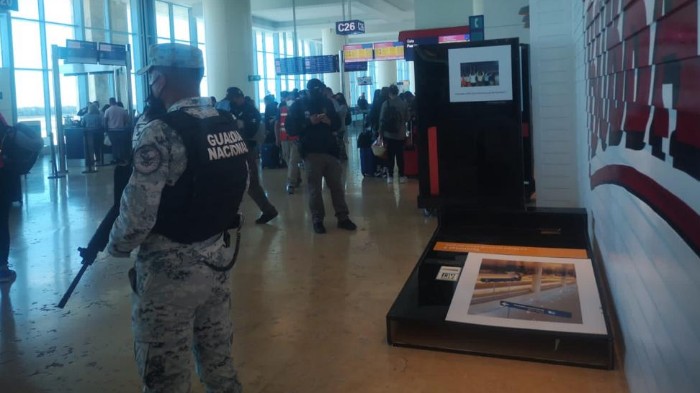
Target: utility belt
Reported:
[(216, 268)]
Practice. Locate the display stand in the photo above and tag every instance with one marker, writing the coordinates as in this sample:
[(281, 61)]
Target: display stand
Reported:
[(496, 278)]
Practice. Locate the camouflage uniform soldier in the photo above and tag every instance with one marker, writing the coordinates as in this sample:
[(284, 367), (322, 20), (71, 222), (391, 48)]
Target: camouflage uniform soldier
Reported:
[(189, 178)]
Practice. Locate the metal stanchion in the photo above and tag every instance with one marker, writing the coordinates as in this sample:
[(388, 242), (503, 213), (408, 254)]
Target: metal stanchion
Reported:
[(54, 170)]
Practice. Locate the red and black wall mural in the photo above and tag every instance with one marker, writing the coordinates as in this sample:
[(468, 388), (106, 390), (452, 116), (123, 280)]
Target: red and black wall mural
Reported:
[(643, 104)]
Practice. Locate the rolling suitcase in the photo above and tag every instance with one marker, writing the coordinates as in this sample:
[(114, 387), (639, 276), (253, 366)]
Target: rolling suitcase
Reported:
[(270, 155), (410, 162), (367, 161)]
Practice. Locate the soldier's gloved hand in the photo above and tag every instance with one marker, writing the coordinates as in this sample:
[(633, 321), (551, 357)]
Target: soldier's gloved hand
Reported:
[(113, 251)]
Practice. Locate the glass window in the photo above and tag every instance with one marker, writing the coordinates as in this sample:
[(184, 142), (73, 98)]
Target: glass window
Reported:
[(97, 35), (28, 9), (58, 11), (201, 35), (30, 97), (181, 23), (270, 65), (203, 48), (56, 35), (119, 15), (258, 41), (203, 88), (94, 14), (27, 44), (260, 64), (162, 21), (269, 43)]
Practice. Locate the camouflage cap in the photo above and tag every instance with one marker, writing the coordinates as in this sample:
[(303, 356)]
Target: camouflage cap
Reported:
[(173, 55)]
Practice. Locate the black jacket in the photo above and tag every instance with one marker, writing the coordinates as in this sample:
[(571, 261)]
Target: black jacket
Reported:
[(314, 138), (250, 116)]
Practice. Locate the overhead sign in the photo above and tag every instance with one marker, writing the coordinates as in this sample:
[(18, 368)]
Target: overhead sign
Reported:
[(364, 80), (348, 27), (357, 53), (81, 52), (453, 38), (476, 27), (9, 5), (355, 66), (388, 50), (111, 54), (307, 65)]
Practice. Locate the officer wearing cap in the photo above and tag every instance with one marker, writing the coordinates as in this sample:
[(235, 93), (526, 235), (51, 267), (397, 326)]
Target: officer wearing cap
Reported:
[(248, 118), (188, 180), (314, 119)]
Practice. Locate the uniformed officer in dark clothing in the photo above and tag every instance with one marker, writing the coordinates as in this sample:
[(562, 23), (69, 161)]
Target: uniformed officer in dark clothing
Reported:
[(313, 119), (249, 121), (189, 178)]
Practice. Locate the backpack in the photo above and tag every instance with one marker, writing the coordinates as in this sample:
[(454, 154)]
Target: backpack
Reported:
[(390, 120), (20, 148)]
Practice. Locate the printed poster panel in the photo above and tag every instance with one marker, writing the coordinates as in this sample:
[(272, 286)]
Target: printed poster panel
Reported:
[(526, 292), (480, 74)]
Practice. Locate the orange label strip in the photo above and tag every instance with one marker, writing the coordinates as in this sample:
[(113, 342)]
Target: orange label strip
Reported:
[(512, 250)]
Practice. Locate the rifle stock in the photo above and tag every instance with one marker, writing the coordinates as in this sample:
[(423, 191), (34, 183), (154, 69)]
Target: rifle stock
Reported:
[(100, 238)]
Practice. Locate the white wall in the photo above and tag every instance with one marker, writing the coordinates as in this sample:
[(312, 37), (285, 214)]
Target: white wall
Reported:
[(502, 20), (552, 78), (442, 13), (653, 273)]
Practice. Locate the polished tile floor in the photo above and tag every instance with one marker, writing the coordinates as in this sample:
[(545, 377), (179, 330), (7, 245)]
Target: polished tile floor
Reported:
[(309, 309)]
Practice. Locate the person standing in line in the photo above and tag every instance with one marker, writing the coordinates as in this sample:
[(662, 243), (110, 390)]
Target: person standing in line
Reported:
[(92, 122), (249, 122), (314, 119), (288, 144), (118, 125), (392, 130), (189, 177), (7, 275)]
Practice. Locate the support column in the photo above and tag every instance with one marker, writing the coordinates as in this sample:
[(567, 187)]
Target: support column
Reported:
[(228, 63), (332, 44), (386, 73)]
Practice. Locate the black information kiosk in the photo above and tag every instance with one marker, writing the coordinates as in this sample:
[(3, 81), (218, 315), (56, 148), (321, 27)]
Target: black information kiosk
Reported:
[(497, 278)]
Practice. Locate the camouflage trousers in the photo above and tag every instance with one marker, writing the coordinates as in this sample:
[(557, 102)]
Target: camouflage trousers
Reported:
[(183, 307)]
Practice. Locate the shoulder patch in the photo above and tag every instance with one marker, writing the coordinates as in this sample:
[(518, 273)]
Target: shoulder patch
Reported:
[(147, 159)]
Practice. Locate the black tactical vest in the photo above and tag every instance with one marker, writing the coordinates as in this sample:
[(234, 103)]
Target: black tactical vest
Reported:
[(205, 199)]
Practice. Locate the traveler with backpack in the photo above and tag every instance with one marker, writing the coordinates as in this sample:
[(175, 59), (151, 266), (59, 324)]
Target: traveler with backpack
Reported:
[(392, 130), (314, 120)]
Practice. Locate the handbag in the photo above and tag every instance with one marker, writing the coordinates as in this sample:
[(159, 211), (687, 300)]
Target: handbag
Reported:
[(378, 148)]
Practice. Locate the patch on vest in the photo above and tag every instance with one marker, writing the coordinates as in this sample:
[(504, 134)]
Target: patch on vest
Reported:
[(225, 144), (147, 159)]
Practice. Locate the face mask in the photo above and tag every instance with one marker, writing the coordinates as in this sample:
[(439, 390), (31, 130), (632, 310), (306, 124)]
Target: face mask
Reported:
[(290, 102), (156, 81)]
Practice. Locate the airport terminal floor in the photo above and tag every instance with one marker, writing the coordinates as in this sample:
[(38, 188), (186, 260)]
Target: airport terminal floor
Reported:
[(309, 310)]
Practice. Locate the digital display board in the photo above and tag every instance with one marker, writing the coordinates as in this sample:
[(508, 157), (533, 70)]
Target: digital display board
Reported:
[(388, 50), (356, 66), (9, 5), (409, 54), (453, 38), (307, 65), (358, 52), (80, 52), (112, 54)]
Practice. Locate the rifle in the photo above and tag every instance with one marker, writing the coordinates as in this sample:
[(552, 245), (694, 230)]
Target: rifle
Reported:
[(99, 239)]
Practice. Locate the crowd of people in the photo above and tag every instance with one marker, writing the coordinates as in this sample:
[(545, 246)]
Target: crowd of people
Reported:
[(193, 159)]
